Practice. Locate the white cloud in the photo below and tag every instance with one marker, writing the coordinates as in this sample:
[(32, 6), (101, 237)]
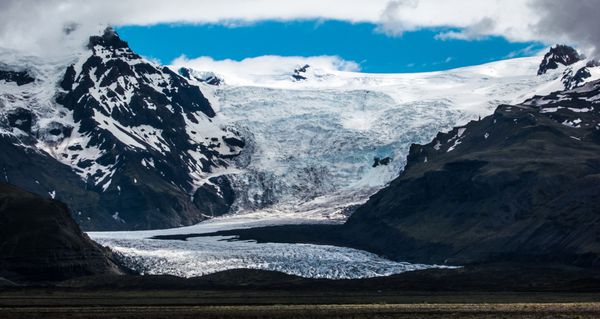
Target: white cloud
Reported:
[(547, 21), (473, 32), (252, 71), (509, 18), (390, 22), (38, 25), (529, 50)]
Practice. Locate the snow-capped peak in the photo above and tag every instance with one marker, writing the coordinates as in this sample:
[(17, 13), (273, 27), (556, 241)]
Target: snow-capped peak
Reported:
[(559, 55), (127, 127)]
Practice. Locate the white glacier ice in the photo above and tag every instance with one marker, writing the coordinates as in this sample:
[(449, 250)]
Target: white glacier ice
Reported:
[(204, 255), (311, 144)]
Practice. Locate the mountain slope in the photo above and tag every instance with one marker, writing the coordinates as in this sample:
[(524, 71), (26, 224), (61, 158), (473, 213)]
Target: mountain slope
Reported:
[(520, 184), (40, 241)]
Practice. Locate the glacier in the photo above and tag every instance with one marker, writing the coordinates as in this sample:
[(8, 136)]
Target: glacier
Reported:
[(205, 255), (309, 155), (311, 144)]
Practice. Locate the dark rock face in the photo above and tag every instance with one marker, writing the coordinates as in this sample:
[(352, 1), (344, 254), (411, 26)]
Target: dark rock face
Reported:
[(298, 74), (381, 161), (21, 78), (216, 196), (21, 119), (592, 63), (40, 241), (572, 81), (42, 174), (519, 185), (559, 54), (213, 80)]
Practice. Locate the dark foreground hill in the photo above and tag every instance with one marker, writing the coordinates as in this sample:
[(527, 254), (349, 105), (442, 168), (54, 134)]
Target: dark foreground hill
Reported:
[(40, 241)]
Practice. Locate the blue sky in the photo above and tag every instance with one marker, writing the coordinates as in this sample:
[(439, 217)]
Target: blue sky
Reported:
[(374, 51)]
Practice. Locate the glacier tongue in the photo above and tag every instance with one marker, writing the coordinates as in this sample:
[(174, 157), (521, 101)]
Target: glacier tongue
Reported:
[(204, 255)]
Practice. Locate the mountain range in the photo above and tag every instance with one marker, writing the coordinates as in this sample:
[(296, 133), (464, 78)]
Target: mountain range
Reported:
[(128, 144)]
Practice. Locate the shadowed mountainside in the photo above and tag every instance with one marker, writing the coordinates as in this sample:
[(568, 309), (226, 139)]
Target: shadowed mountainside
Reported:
[(39, 241)]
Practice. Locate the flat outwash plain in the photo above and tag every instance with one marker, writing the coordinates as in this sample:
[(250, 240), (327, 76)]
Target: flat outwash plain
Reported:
[(434, 293), (181, 305)]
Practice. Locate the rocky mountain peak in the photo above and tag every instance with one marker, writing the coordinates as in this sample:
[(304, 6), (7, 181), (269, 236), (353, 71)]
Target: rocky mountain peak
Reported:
[(109, 38), (573, 79), (133, 142), (559, 55)]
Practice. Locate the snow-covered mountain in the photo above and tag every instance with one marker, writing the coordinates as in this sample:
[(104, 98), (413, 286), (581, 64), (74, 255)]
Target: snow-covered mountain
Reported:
[(129, 144), (119, 137)]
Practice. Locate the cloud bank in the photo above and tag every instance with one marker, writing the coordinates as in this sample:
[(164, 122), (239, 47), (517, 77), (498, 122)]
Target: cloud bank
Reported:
[(577, 21), (508, 18), (54, 25), (38, 25)]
